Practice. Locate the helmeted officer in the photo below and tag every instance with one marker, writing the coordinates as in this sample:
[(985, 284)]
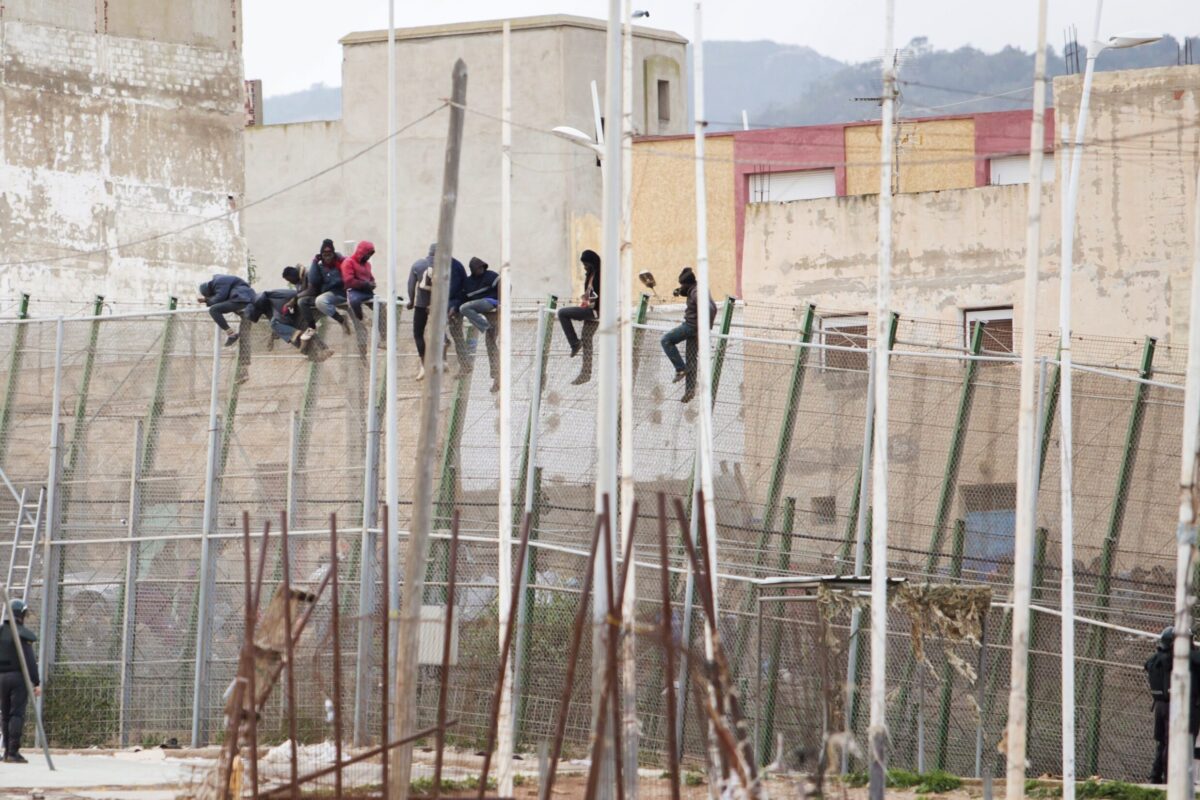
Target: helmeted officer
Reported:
[(13, 694), (1158, 674)]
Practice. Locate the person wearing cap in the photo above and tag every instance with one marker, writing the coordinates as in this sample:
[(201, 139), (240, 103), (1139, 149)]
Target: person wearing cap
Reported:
[(1158, 675), (14, 694), (322, 290), (587, 312), (225, 294), (482, 297), (687, 332)]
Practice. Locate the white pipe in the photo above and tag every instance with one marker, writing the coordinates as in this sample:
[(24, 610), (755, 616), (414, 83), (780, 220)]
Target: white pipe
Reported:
[(629, 719), (1027, 439), (504, 733), (606, 407), (1066, 419), (877, 729), (1178, 755), (391, 435)]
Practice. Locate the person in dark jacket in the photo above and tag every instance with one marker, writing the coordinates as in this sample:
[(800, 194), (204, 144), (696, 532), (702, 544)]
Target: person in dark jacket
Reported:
[(588, 311), (322, 290), (358, 279), (687, 332), (226, 294), (1158, 674), (14, 695), (280, 306), (482, 293), (420, 295)]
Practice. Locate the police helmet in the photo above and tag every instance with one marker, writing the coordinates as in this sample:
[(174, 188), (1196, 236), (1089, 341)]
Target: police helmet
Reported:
[(19, 608), (1167, 637)]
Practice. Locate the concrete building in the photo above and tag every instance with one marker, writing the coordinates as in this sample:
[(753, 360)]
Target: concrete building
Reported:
[(556, 185), (122, 121)]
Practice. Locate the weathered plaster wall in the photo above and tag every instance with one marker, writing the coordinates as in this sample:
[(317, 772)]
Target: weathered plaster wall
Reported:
[(664, 212), (930, 155), (121, 122)]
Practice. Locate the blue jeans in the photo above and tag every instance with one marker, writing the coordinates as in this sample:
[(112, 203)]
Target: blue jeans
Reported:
[(356, 298), (670, 344), (283, 330), (329, 303), (474, 311)]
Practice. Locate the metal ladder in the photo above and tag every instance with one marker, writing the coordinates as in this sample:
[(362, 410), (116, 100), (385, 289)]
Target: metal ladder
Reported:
[(24, 544)]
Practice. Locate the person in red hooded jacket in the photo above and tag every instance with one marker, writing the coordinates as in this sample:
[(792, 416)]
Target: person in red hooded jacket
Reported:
[(358, 278)]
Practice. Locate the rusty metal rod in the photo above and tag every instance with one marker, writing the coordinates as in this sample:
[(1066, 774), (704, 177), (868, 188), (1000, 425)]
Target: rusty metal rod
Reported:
[(334, 621), (564, 704), (364, 756), (443, 686), (509, 629), (233, 725), (290, 652), (668, 634)]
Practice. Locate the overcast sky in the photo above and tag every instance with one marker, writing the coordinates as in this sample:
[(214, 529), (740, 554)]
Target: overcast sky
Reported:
[(291, 49)]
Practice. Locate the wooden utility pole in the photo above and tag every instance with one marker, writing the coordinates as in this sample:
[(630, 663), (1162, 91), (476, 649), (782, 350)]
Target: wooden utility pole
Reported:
[(408, 639)]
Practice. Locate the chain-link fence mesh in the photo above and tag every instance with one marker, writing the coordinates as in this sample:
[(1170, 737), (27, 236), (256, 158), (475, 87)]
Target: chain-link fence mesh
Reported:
[(148, 446)]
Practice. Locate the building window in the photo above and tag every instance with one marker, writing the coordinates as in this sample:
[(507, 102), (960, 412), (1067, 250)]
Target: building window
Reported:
[(788, 187), (997, 329), (847, 331), (1007, 170), (664, 102), (824, 510), (990, 514)]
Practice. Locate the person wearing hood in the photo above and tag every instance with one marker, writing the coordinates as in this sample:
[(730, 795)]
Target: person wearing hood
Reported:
[(687, 332), (322, 290), (420, 295), (587, 312), (225, 294), (281, 307), (482, 297), (14, 694), (358, 279), (1158, 675)]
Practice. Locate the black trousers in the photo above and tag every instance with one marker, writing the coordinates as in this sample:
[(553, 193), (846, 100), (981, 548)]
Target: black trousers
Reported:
[(13, 699), (567, 317), (458, 335), (218, 311), (420, 319), (1158, 772)]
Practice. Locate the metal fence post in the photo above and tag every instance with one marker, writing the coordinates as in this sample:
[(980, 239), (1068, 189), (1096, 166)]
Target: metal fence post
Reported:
[(199, 685), (1098, 635), (366, 583), (48, 626), (943, 728), (157, 402), (128, 605), (79, 426), (766, 701), (14, 371)]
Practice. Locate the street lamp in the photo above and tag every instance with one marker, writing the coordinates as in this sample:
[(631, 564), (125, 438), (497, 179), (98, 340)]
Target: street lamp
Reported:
[(576, 136), (1066, 423)]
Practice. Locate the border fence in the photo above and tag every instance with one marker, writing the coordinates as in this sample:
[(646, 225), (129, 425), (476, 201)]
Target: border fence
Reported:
[(149, 439)]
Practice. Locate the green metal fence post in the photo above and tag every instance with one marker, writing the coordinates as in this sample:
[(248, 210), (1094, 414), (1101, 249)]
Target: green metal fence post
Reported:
[(943, 728), (766, 740), (14, 371), (158, 400), (1098, 635), (530, 603), (79, 428), (519, 490)]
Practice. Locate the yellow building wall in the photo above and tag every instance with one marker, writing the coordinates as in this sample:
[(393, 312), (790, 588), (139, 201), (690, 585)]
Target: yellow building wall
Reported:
[(931, 156), (664, 213)]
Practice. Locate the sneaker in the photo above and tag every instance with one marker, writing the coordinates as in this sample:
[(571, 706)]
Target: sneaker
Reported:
[(324, 354), (308, 334), (575, 348), (679, 375), (15, 758), (688, 396), (420, 372), (296, 337), (581, 380), (231, 338)]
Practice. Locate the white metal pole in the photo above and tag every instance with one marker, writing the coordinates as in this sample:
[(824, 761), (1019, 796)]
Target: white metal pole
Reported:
[(1066, 420), (606, 410), (877, 729), (504, 736), (1179, 756), (391, 435), (1027, 438), (366, 595), (629, 731)]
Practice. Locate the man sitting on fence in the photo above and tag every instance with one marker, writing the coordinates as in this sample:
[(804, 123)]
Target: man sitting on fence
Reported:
[(687, 332), (587, 312), (280, 305), (322, 290), (226, 294), (482, 297)]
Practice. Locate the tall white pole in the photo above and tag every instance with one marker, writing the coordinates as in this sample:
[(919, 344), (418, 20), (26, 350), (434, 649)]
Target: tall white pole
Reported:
[(391, 436), (1066, 420), (629, 731), (879, 483), (1179, 756), (606, 407), (704, 438), (1027, 438), (504, 736)]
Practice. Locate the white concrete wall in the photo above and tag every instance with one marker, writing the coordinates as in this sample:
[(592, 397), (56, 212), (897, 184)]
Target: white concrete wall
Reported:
[(121, 122)]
